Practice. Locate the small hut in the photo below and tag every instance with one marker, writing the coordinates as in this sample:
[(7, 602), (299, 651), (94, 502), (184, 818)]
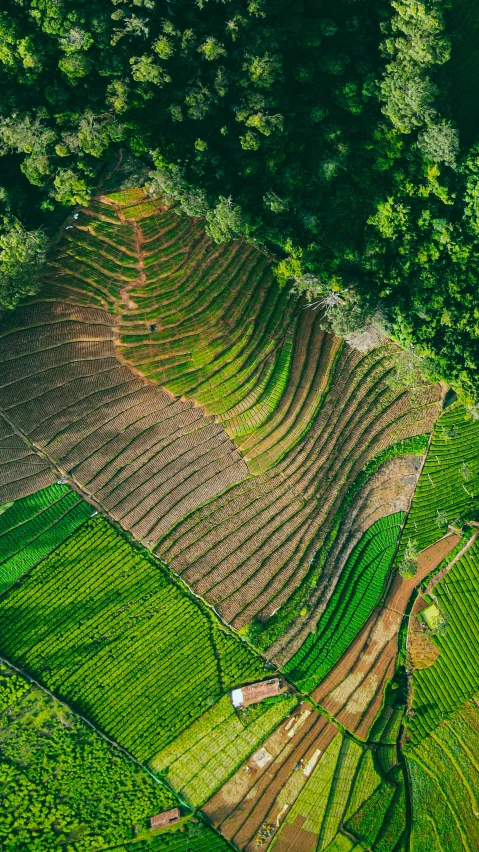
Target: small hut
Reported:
[(255, 692), (164, 819)]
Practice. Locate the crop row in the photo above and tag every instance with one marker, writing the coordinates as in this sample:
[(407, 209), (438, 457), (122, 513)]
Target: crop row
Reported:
[(448, 488), (313, 782), (206, 754), (36, 525), (214, 318), (22, 472), (192, 837), (356, 594), (101, 624), (94, 417), (454, 677), (217, 315), (445, 782), (250, 549)]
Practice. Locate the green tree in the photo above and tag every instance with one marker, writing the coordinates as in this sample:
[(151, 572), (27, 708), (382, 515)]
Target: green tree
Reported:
[(22, 255)]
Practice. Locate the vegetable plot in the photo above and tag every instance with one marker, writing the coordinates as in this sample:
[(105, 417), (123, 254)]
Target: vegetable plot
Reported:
[(440, 689), (448, 488), (356, 594), (444, 773), (101, 624), (34, 526)]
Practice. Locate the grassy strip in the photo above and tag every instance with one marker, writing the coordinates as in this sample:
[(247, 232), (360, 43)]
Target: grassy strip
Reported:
[(357, 592)]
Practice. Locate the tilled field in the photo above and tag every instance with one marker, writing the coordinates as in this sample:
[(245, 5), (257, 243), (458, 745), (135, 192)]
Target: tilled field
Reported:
[(22, 471), (257, 796), (353, 691), (146, 456), (235, 469)]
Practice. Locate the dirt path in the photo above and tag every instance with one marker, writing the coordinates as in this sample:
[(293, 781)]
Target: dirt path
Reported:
[(266, 785), (353, 690)]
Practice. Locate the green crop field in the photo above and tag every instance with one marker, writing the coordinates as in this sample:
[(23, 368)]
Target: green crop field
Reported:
[(448, 489), (441, 689), (61, 785), (191, 837), (200, 760), (357, 592), (444, 770), (346, 790), (32, 527), (103, 625)]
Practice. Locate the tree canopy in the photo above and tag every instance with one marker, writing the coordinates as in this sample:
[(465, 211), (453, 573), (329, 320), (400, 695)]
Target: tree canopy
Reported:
[(320, 130)]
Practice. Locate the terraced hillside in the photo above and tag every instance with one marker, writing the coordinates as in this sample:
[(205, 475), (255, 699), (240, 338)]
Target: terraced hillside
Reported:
[(22, 471), (236, 469)]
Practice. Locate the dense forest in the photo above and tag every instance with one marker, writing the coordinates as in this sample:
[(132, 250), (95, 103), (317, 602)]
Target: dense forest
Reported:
[(325, 132)]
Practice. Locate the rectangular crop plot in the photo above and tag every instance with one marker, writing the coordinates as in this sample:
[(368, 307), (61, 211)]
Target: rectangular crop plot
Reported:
[(444, 772), (448, 488), (34, 526), (205, 755), (102, 625)]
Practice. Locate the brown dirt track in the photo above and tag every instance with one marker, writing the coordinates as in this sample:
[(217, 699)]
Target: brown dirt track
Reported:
[(353, 690), (256, 795)]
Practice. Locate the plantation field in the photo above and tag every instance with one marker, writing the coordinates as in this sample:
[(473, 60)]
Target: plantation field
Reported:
[(306, 783), (384, 487), (61, 785), (440, 689), (33, 526), (190, 837), (22, 472), (353, 690), (103, 626), (234, 470), (356, 594), (202, 758), (448, 488), (444, 771)]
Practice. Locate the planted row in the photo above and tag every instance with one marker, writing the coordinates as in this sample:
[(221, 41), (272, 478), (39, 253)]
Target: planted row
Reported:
[(103, 625), (356, 593)]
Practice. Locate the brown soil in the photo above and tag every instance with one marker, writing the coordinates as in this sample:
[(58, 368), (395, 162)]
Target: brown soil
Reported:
[(294, 838), (262, 795), (422, 652), (352, 692)]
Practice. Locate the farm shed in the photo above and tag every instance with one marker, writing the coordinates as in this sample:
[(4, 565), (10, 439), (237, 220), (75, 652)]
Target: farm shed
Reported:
[(431, 616), (164, 819), (256, 692)]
